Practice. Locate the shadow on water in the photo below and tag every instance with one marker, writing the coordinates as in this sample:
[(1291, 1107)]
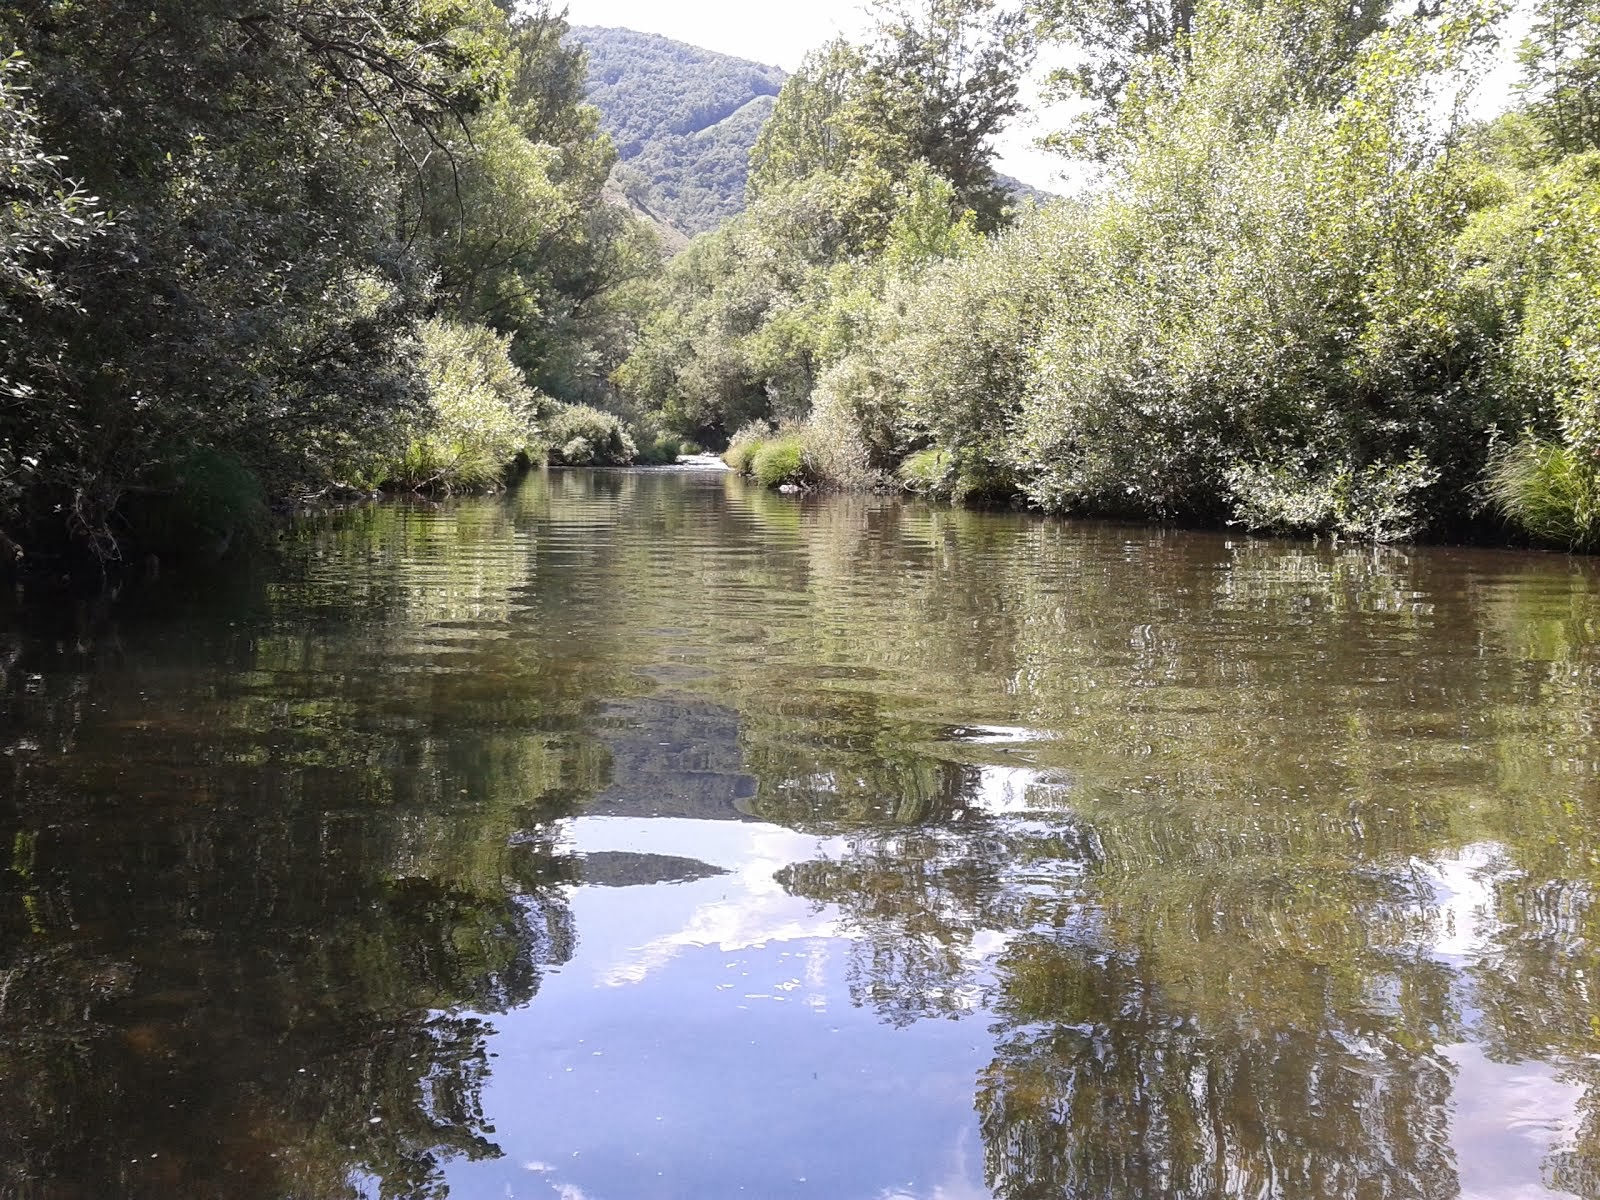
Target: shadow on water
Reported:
[(1245, 868)]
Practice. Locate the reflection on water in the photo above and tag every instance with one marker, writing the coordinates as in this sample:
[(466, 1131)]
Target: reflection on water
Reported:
[(641, 835)]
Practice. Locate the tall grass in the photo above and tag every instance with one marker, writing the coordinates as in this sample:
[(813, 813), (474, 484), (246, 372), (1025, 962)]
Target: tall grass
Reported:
[(747, 439), (1547, 490), (780, 461)]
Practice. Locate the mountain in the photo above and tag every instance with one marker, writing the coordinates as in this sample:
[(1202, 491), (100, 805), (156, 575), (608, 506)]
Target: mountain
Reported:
[(683, 119)]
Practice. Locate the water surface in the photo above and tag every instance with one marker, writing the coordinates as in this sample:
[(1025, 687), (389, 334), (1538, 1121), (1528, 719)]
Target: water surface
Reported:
[(640, 835)]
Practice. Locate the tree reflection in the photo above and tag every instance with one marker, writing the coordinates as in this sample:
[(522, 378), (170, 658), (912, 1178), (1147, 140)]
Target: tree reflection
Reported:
[(259, 884), (1103, 1086)]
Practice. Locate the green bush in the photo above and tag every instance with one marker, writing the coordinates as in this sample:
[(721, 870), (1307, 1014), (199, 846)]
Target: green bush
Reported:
[(740, 455), (577, 452), (480, 417), (659, 449), (1379, 503), (1548, 491), (199, 505), (746, 441), (581, 436), (852, 435), (780, 461)]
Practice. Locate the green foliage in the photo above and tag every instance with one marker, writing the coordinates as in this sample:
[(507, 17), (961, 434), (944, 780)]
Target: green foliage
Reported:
[(46, 213), (753, 315), (779, 461), (1272, 313), (220, 308), (1383, 502), (852, 418), (289, 207), (658, 449), (250, 295), (745, 443), (928, 222), (1549, 491), (481, 412), (932, 84), (1118, 45), (1260, 317), (581, 436), (1536, 260), (1561, 57), (874, 166), (1555, 242), (927, 471)]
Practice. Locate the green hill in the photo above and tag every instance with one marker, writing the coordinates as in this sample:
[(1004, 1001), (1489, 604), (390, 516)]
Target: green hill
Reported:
[(684, 120), (682, 117)]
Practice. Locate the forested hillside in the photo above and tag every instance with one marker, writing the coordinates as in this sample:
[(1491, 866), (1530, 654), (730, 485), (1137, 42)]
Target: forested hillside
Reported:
[(684, 118)]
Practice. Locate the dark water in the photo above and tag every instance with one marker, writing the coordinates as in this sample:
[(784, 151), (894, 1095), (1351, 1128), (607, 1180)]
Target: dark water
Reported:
[(641, 836)]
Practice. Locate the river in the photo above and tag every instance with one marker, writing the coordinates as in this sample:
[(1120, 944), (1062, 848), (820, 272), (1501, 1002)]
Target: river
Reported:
[(643, 836)]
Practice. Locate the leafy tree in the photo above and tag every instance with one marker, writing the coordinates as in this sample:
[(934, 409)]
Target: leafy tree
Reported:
[(47, 215), (254, 286), (293, 190), (1115, 40), (1561, 58), (935, 83), (945, 76)]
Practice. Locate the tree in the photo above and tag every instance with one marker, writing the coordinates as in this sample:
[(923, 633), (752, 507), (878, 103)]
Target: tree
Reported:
[(47, 215), (944, 76), (254, 293), (1561, 56), (934, 83), (1112, 38)]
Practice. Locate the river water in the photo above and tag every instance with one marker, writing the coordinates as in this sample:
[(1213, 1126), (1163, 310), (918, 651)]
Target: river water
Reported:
[(641, 835)]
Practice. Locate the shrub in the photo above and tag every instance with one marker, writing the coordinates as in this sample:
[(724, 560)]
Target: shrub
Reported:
[(581, 436), (746, 441), (1383, 502), (201, 504), (852, 433), (480, 415), (578, 452), (1547, 490), (780, 461), (740, 455), (659, 449)]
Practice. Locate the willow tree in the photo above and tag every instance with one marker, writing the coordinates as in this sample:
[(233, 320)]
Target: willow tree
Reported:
[(1112, 41), (935, 82)]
